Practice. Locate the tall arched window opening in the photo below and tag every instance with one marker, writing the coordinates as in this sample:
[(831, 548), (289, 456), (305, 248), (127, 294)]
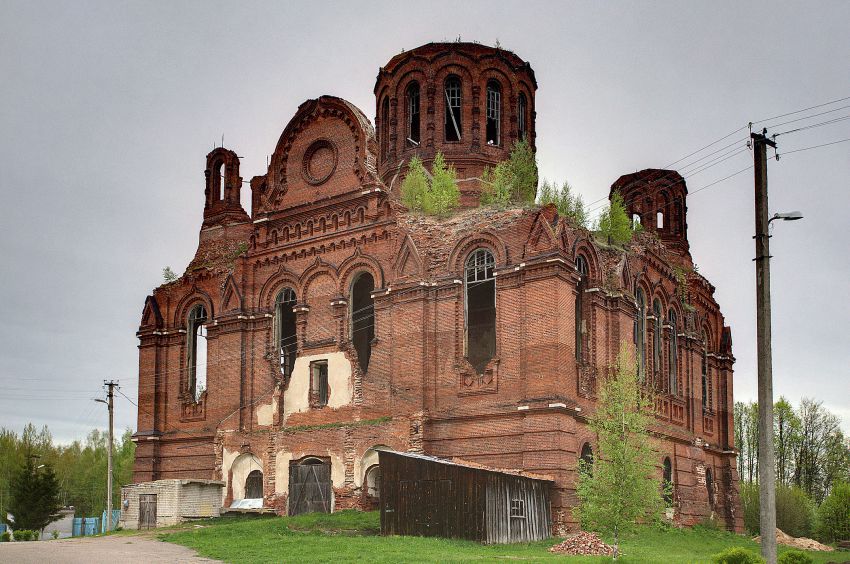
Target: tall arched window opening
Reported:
[(667, 481), (413, 135), (385, 128), (586, 460), (373, 481), (521, 119), (640, 333), (453, 123), (285, 335), (657, 314), (480, 304), (709, 485), (673, 354), (494, 113), (254, 485), (363, 318), (196, 333), (581, 329)]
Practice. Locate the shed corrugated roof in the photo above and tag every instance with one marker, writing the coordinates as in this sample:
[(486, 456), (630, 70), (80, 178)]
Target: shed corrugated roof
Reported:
[(471, 465)]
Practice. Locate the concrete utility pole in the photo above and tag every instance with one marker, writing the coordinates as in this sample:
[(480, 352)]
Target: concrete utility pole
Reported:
[(767, 468), (110, 395)]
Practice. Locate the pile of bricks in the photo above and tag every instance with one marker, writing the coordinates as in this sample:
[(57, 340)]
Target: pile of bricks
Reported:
[(583, 544)]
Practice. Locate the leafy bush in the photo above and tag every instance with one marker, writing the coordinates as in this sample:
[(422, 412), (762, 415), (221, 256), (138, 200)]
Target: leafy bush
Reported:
[(55, 534), (794, 557), (795, 512), (737, 555), (23, 535), (513, 180), (6, 536), (614, 223), (437, 195), (833, 518), (570, 206)]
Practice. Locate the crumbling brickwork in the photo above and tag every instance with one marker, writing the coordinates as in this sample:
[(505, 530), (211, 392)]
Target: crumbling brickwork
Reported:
[(278, 379)]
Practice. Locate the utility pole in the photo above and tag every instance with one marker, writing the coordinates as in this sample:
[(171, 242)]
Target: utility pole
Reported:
[(110, 395), (767, 468)]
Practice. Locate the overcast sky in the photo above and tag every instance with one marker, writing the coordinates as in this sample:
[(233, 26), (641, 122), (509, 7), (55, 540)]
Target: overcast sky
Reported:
[(107, 110)]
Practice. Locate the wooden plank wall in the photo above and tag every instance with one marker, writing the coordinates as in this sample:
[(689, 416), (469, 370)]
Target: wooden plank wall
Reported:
[(534, 521)]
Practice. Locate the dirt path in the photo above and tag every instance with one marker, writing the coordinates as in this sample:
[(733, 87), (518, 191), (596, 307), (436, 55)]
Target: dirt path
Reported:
[(119, 549)]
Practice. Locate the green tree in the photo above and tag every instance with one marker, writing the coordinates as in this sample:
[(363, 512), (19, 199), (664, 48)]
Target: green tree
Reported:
[(570, 205), (786, 437), (415, 185), (614, 223), (513, 181), (444, 194), (833, 519), (34, 500), (623, 487)]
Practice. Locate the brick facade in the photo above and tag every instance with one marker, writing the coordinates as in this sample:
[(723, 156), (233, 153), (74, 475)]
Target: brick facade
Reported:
[(326, 214)]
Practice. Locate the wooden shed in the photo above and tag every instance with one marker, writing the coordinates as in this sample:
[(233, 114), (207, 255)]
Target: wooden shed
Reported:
[(432, 497)]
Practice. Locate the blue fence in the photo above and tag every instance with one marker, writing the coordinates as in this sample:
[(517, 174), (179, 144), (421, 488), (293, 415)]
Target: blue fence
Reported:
[(116, 515), (85, 526)]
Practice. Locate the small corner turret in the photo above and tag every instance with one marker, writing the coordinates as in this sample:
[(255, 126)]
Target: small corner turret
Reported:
[(223, 186)]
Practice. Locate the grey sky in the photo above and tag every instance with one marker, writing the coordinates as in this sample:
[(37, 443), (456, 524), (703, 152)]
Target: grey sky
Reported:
[(108, 109)]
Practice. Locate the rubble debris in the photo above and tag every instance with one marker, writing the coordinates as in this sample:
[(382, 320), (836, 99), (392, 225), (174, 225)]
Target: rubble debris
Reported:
[(583, 544), (802, 543)]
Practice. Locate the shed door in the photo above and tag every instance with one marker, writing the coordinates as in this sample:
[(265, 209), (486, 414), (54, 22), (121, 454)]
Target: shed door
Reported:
[(147, 511), (310, 487)]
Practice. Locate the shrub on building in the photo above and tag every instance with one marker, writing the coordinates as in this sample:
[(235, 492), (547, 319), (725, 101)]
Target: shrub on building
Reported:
[(614, 224), (737, 555), (833, 517), (570, 205), (512, 181), (436, 195)]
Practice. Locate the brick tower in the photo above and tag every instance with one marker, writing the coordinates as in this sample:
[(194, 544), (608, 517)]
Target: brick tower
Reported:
[(470, 101)]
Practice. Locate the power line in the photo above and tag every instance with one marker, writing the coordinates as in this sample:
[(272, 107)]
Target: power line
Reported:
[(814, 147), (843, 118), (803, 110)]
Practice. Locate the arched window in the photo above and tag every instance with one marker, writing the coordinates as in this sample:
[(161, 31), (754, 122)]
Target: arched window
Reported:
[(581, 326), (412, 97), (586, 460), (453, 123), (706, 386), (522, 120), (480, 308), (284, 326), (640, 333), (658, 314), (659, 220), (373, 482), (494, 113), (254, 485), (667, 481), (673, 354), (635, 221), (196, 334), (385, 128), (363, 317), (709, 485)]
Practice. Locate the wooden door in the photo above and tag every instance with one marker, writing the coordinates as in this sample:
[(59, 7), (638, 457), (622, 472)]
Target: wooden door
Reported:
[(310, 488), (147, 511)]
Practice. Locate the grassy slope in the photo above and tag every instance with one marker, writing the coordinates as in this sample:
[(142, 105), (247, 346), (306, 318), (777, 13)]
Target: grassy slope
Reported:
[(351, 536)]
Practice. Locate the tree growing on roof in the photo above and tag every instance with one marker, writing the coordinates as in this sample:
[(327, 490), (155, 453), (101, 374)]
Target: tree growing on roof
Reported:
[(614, 223), (437, 195), (570, 204), (512, 181), (623, 488)]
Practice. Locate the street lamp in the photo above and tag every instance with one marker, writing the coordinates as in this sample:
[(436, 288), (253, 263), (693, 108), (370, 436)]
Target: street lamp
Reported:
[(787, 216)]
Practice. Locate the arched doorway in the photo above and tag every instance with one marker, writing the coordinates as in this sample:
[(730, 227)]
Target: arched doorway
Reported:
[(254, 485), (310, 486)]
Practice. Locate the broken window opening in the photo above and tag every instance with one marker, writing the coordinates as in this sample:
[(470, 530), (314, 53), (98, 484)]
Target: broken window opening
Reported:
[(656, 338), (659, 220), (635, 220), (453, 123), (667, 481), (522, 104), (413, 114), (480, 289), (385, 128), (706, 392), (197, 351), (363, 318), (287, 342), (640, 333), (586, 460), (373, 482), (494, 113), (581, 338), (319, 383), (254, 485), (709, 486), (673, 355)]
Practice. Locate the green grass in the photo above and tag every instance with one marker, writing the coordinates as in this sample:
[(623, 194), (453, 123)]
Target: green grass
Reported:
[(353, 536)]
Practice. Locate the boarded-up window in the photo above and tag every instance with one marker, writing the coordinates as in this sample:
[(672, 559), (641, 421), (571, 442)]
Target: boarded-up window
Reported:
[(480, 287), (363, 318)]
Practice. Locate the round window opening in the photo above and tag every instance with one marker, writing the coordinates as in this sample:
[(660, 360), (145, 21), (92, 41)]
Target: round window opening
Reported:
[(319, 161)]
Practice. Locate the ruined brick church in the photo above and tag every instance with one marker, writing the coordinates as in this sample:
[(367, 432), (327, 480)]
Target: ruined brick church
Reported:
[(332, 322)]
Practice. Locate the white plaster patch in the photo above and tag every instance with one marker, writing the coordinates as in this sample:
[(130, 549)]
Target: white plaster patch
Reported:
[(241, 466), (297, 397), (370, 458), (337, 471), (281, 477), (265, 413)]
